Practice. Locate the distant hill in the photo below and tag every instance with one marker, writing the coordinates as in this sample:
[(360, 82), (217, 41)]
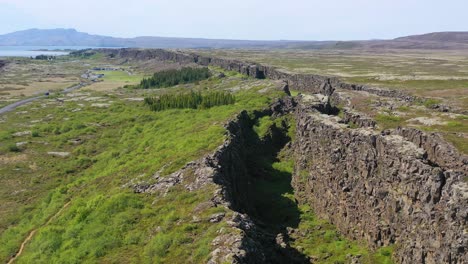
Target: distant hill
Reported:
[(436, 40), (71, 37), (455, 37)]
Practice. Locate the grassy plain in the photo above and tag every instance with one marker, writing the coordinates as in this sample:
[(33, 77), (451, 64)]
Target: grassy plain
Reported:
[(24, 77)]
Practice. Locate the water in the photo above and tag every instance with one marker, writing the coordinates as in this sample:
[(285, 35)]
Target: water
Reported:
[(33, 51)]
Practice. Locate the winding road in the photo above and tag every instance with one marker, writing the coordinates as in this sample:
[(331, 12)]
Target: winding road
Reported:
[(14, 105)]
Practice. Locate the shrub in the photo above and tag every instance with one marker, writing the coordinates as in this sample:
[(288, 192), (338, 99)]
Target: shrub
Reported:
[(159, 246), (14, 148), (429, 103), (35, 134)]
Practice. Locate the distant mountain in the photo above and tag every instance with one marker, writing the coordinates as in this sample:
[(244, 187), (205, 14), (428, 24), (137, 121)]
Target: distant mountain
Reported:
[(71, 37), (55, 37)]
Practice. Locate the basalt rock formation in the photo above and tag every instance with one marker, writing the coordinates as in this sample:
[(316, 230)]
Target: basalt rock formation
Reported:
[(401, 187), (388, 188)]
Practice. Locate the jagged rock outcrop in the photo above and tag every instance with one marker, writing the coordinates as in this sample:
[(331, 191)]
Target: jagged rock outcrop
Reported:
[(438, 151), (387, 188)]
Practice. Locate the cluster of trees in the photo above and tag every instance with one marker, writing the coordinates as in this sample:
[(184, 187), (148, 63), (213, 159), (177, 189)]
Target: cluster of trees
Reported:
[(192, 100), (86, 53), (169, 78), (44, 57)]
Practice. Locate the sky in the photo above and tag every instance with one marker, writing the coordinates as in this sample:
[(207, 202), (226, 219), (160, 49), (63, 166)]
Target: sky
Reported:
[(239, 19)]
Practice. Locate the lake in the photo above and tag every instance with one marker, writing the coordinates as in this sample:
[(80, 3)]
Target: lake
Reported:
[(33, 51)]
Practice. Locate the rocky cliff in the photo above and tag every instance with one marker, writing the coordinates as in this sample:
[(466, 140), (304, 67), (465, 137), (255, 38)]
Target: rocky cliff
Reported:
[(401, 187)]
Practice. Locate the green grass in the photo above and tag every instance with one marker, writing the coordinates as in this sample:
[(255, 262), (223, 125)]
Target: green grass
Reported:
[(294, 93), (262, 127), (104, 221), (325, 243), (120, 76), (386, 121)]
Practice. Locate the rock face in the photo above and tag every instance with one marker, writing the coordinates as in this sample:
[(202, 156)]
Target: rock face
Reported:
[(386, 188)]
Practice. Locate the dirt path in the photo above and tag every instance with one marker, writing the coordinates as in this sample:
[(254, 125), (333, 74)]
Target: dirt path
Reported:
[(33, 232)]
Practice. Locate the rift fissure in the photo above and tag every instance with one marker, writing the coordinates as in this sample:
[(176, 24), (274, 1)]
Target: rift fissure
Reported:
[(377, 186)]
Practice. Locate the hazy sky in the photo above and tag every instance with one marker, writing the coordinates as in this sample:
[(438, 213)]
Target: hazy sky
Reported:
[(239, 19)]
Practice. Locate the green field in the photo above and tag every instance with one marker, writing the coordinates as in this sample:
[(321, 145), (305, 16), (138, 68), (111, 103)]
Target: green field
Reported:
[(120, 76)]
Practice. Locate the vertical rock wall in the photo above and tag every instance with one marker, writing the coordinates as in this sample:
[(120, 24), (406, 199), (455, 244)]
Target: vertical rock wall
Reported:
[(383, 188)]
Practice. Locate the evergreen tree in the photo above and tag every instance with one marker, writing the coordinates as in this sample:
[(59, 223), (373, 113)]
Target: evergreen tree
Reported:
[(169, 78), (192, 100)]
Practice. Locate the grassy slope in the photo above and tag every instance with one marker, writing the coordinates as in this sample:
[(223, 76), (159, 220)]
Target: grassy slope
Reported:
[(105, 221)]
